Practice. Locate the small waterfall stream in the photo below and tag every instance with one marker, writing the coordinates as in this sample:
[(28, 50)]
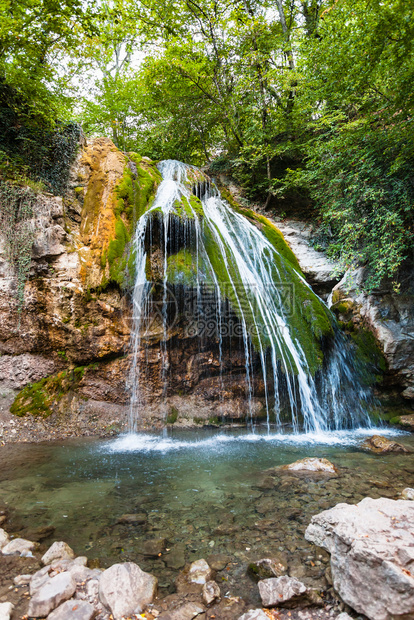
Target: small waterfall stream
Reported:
[(199, 245)]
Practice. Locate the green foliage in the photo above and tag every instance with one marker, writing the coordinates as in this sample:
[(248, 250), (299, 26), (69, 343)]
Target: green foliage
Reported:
[(35, 35), (34, 151), (361, 179), (311, 101)]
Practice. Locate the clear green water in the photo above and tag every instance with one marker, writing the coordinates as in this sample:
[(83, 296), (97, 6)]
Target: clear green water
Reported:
[(205, 493)]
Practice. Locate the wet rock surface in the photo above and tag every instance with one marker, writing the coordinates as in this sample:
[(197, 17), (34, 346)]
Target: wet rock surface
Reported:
[(389, 316), (315, 465), (382, 445)]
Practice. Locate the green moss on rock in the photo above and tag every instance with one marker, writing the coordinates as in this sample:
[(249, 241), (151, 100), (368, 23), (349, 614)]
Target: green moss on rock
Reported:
[(34, 400), (369, 356), (133, 195), (270, 231), (172, 416), (39, 399), (182, 268)]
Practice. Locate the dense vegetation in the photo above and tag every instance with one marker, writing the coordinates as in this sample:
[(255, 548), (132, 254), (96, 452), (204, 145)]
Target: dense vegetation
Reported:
[(302, 101)]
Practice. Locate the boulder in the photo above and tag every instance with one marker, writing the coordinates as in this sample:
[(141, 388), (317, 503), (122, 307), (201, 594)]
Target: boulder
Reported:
[(125, 589), (372, 551), (73, 610), (267, 568), (286, 591), (407, 493), (382, 445), (19, 546), (210, 592), (4, 538), (254, 614), (55, 591), (312, 465), (58, 551), (22, 580), (407, 420), (39, 578), (199, 572), (343, 616), (6, 610), (188, 611)]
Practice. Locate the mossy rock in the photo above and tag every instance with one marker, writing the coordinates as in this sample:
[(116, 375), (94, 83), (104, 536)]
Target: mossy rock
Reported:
[(114, 201), (172, 416), (270, 231), (369, 356), (39, 399), (309, 320)]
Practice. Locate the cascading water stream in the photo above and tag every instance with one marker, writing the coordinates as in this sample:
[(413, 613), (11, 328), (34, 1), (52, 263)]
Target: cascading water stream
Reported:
[(241, 269)]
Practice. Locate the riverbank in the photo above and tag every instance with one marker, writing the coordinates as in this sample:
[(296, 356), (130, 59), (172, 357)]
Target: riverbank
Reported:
[(42, 581), (200, 589)]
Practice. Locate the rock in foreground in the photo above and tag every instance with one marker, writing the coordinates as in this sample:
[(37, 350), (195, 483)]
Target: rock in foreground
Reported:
[(315, 465), (58, 551), (125, 589), (281, 591), (382, 445), (372, 554), (75, 610), (407, 493), (266, 568), (54, 592), (254, 614)]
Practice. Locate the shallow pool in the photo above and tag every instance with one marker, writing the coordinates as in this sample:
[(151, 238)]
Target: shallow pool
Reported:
[(193, 495)]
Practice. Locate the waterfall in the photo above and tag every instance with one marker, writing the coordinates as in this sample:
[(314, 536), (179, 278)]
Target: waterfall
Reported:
[(246, 292)]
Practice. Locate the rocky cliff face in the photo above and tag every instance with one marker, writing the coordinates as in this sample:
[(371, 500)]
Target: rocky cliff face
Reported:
[(67, 321), (65, 359), (387, 315)]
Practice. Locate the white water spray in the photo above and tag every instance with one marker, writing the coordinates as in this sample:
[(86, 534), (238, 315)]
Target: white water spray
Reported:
[(237, 263)]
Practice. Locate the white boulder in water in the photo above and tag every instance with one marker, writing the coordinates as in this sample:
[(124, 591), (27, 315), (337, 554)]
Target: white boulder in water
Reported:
[(372, 555), (254, 614), (281, 591), (211, 592), (125, 589), (58, 551), (199, 572), (407, 493), (311, 464)]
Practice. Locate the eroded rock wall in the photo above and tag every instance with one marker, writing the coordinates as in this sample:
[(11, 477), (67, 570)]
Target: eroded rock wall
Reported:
[(389, 315)]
